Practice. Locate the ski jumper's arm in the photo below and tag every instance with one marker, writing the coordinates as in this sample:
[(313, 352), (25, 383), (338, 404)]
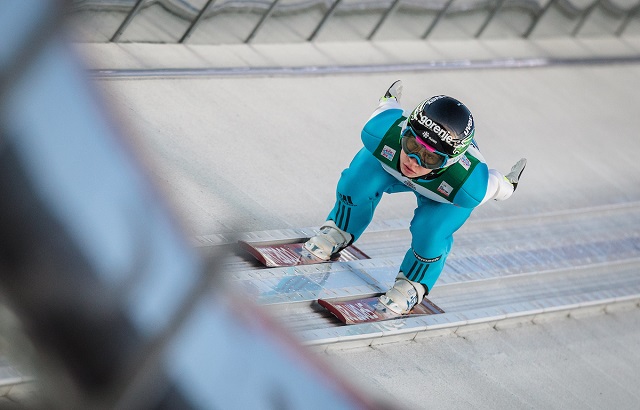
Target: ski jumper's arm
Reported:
[(498, 187), (501, 186), (483, 184), (388, 112)]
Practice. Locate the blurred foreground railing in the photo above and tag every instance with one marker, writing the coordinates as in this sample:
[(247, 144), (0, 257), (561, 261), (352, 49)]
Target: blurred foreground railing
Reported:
[(100, 291)]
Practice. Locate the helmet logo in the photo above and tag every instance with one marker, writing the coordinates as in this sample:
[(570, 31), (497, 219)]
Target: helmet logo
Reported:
[(467, 129), (462, 145), (435, 98), (430, 124)]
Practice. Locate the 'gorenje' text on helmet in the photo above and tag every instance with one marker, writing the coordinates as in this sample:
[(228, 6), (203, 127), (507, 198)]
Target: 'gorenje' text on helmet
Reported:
[(444, 124)]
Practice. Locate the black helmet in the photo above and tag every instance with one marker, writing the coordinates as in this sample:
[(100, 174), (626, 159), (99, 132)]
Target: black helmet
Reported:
[(445, 124)]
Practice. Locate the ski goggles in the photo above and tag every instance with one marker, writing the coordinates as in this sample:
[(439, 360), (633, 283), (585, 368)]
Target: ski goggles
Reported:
[(426, 156)]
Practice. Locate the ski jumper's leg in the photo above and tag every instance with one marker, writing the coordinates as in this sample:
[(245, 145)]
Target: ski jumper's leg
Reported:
[(432, 229), (359, 191)]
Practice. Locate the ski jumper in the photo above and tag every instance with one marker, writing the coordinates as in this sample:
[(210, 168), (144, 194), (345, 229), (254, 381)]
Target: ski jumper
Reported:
[(445, 198)]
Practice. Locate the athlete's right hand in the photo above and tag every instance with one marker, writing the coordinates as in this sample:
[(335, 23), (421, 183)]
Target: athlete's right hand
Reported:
[(394, 91), (516, 171)]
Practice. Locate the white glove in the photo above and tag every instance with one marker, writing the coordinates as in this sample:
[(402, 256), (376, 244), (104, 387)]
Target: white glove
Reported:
[(516, 172), (394, 91)]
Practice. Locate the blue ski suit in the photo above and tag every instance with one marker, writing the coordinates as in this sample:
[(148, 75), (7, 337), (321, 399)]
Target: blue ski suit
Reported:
[(445, 199)]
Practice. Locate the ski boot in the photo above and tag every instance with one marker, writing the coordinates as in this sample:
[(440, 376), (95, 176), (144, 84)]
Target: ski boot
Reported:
[(403, 296), (328, 242)]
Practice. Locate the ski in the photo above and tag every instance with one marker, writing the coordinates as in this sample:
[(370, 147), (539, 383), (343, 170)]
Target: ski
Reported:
[(362, 310), (292, 253)]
